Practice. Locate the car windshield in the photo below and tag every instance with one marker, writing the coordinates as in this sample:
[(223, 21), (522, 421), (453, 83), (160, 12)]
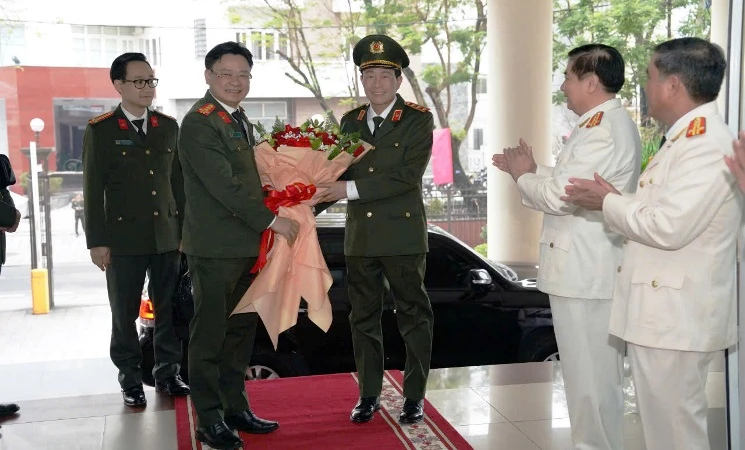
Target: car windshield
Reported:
[(502, 269)]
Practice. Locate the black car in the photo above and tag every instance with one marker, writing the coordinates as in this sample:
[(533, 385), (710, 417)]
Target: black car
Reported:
[(482, 315)]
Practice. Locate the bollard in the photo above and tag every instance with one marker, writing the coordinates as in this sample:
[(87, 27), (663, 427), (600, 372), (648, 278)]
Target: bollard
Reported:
[(39, 291)]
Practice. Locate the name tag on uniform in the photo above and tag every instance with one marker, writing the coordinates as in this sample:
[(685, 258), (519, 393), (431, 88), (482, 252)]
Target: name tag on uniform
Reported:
[(236, 134), (124, 142)]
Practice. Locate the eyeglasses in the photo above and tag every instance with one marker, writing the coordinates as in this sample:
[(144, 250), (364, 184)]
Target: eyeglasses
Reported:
[(242, 77), (140, 84)]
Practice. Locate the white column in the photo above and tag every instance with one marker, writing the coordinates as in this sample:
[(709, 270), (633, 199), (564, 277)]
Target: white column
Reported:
[(519, 37), (720, 36)]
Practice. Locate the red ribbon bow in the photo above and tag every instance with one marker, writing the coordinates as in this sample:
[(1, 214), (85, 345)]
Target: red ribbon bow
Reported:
[(291, 196)]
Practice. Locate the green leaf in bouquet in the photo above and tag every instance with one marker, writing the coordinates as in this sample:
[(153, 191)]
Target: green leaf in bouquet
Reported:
[(278, 126), (333, 153), (315, 143)]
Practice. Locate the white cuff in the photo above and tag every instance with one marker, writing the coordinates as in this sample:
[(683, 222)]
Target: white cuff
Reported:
[(352, 193), (272, 223)]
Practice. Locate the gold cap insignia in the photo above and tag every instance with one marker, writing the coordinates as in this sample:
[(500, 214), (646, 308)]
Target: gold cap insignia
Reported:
[(376, 47)]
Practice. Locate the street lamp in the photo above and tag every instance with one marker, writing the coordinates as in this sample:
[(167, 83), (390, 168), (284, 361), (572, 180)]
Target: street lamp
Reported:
[(37, 126)]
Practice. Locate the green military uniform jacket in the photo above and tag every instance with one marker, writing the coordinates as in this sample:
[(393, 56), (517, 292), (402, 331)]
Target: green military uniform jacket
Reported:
[(389, 218), (225, 214), (133, 187)]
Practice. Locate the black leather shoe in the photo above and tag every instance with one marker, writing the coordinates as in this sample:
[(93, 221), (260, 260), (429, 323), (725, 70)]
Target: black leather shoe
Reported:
[(219, 437), (173, 386), (134, 396), (8, 409), (365, 409), (249, 423), (412, 412)]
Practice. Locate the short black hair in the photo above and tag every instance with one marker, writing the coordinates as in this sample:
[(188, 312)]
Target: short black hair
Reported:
[(602, 60), (119, 66), (699, 64), (227, 48)]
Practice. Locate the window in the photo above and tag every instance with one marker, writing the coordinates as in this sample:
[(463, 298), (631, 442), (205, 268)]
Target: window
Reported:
[(446, 269), (481, 86), (265, 112), (264, 44), (200, 38), (95, 45), (478, 138)]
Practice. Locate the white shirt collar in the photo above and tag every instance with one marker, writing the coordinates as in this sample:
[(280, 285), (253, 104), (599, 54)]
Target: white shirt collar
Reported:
[(371, 113), (131, 117), (229, 109)]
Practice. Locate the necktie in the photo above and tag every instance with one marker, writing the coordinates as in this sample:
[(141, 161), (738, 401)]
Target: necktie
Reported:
[(662, 142), (139, 123), (238, 117), (377, 120)]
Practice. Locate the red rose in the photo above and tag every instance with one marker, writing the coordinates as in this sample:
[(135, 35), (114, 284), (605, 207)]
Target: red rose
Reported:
[(358, 151)]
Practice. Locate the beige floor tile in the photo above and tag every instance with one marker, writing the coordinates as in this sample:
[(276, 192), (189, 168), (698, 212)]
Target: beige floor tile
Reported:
[(536, 401), (496, 436), (463, 407), (70, 434), (146, 431)]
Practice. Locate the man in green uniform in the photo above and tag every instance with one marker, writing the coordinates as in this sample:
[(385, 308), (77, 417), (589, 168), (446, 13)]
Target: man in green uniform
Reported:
[(133, 189), (225, 216), (386, 229)]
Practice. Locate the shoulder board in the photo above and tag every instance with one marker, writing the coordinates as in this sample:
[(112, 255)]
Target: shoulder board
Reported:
[(696, 127), (164, 115), (206, 109), (361, 107), (417, 107), (103, 116), (595, 120)]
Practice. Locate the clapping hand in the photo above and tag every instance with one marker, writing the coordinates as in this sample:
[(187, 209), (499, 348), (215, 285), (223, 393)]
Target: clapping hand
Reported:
[(588, 194)]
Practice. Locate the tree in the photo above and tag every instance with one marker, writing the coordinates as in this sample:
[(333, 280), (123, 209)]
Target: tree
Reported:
[(634, 27), (456, 30), (315, 42)]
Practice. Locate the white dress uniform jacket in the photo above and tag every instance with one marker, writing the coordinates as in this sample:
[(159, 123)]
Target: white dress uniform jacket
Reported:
[(578, 253), (677, 287)]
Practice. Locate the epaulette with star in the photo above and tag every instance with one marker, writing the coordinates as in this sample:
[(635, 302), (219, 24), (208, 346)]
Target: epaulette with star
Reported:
[(206, 109), (696, 127), (419, 108), (595, 120), (361, 111), (101, 118)]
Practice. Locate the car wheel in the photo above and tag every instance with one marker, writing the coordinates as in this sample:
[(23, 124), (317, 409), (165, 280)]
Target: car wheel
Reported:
[(539, 345), (271, 365)]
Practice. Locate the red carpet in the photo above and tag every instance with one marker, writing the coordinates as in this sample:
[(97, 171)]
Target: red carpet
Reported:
[(313, 413)]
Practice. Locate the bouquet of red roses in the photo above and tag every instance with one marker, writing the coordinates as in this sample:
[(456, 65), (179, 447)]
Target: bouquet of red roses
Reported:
[(291, 162)]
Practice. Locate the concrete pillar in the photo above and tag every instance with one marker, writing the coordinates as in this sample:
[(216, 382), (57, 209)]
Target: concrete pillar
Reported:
[(720, 36), (519, 37)]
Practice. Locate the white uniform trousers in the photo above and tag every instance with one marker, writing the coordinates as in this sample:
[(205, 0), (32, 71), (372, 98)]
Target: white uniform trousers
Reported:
[(671, 392), (592, 366)]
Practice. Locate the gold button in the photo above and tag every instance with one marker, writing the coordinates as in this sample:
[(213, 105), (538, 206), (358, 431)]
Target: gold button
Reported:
[(408, 214), (371, 170), (369, 214), (641, 184), (235, 215), (372, 147), (654, 283), (396, 144), (153, 192), (119, 219), (651, 180), (169, 150), (619, 268), (551, 245), (124, 153), (155, 213), (152, 173), (147, 152)]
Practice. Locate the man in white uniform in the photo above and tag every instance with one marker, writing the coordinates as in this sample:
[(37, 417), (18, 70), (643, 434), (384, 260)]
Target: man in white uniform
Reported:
[(675, 297), (579, 256)]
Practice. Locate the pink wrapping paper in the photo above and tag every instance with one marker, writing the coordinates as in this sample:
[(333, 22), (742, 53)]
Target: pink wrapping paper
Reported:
[(300, 270)]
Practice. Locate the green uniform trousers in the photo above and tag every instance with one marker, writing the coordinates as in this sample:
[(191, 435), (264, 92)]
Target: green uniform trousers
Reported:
[(365, 281), (220, 345), (125, 278)]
